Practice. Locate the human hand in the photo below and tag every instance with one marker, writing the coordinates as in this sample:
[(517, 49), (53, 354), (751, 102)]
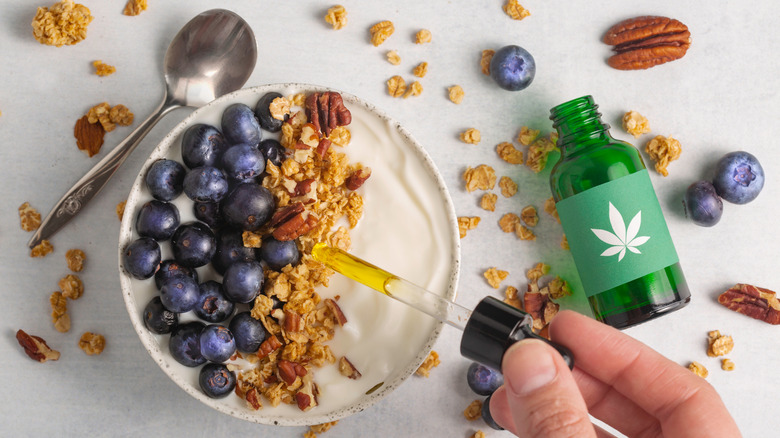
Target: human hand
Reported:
[(616, 379)]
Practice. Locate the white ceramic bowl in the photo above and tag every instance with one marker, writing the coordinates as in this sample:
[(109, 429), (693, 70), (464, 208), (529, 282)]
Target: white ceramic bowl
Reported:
[(408, 227)]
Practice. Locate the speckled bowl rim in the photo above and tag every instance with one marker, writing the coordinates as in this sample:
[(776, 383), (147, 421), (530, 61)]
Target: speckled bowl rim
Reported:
[(262, 416)]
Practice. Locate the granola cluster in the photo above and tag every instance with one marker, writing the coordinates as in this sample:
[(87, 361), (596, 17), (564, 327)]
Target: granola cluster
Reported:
[(29, 217), (102, 69), (381, 31), (135, 7), (456, 94), (473, 411), (109, 116), (336, 17), (92, 343), (63, 23), (718, 345), (515, 10), (663, 150), (430, 362), (635, 124)]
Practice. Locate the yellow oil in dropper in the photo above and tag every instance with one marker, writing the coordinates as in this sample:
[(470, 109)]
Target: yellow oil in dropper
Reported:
[(352, 267)]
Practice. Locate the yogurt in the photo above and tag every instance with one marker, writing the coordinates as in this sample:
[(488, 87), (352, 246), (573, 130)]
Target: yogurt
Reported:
[(408, 228)]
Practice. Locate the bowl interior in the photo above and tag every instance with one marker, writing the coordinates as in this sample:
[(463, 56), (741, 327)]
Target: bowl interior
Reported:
[(408, 227)]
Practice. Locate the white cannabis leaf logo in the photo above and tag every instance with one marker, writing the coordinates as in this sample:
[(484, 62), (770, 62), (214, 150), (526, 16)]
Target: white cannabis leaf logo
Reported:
[(621, 238)]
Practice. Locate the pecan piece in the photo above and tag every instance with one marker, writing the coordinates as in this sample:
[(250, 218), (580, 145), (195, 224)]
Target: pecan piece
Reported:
[(289, 371), (755, 302), (334, 307), (326, 111), (539, 305), (357, 178), (647, 41), (286, 213), (268, 346), (303, 187), (347, 369), (297, 225), (306, 397), (292, 321), (253, 399), (35, 347), (323, 146)]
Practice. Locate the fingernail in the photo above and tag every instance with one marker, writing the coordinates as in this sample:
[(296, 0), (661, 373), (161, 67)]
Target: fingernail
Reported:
[(528, 365)]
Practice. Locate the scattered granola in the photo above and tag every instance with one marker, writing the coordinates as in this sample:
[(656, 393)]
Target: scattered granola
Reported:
[(484, 61), (635, 124), (89, 136), (324, 427), (71, 286), (415, 89), (558, 288), (488, 201), (478, 434), (420, 70), (537, 272), (42, 249), (467, 223), (393, 57), (526, 136), (509, 222), (35, 347), (507, 152), (482, 177), (456, 94), (471, 136), (396, 86), (120, 210), (428, 364), (59, 312), (423, 36), (75, 259), (507, 186), (473, 411), (549, 208), (663, 150), (524, 233), (719, 345), (109, 116), (515, 10), (29, 217), (511, 297), (698, 369), (135, 7), (63, 23), (495, 276), (727, 364), (538, 152), (336, 17), (529, 216), (381, 31), (92, 343), (102, 69)]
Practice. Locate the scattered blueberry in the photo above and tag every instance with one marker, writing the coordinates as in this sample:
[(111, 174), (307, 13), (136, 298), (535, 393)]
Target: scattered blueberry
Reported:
[(208, 213), (230, 249), (142, 258), (239, 125), (243, 162), (263, 113), (184, 344), (739, 177), (170, 268), (212, 305), (202, 145), (243, 281), (702, 204), (158, 319), (217, 343), (193, 244), (272, 150), (216, 380), (278, 254), (248, 206), (179, 294), (487, 417), (483, 380), (165, 179), (513, 68), (248, 331), (205, 184), (157, 219)]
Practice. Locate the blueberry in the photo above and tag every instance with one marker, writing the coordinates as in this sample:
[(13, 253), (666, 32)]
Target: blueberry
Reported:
[(212, 305), (193, 244), (179, 294), (278, 254), (739, 177), (513, 68), (248, 206), (230, 249), (243, 162), (158, 319), (216, 380), (165, 179), (243, 281), (248, 331), (217, 343), (272, 150), (205, 184), (263, 113), (702, 204), (170, 268), (483, 380), (239, 125), (184, 344), (157, 219), (487, 417), (202, 145), (142, 258), (208, 213)]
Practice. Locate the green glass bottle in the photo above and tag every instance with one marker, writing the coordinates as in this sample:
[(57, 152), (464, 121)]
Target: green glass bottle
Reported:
[(612, 220)]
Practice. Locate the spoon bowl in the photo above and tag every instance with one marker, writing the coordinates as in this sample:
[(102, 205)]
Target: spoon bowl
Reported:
[(212, 55)]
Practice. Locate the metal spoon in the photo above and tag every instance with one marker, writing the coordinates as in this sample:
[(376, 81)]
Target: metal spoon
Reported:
[(213, 54)]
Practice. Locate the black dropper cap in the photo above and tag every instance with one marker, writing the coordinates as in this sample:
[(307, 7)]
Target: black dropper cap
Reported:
[(493, 327)]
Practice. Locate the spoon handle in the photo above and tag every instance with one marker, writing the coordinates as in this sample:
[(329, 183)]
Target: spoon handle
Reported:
[(93, 181)]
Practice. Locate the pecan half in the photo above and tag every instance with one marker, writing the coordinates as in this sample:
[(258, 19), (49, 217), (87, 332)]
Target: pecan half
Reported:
[(35, 347), (286, 213), (297, 225), (357, 178), (755, 302), (647, 41), (289, 371), (326, 111)]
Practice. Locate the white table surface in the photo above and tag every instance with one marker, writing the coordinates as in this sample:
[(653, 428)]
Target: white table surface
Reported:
[(722, 96)]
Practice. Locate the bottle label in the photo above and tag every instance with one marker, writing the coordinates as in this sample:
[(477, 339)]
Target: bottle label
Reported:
[(616, 232)]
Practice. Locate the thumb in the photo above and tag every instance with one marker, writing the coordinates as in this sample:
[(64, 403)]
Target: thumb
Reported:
[(540, 397)]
